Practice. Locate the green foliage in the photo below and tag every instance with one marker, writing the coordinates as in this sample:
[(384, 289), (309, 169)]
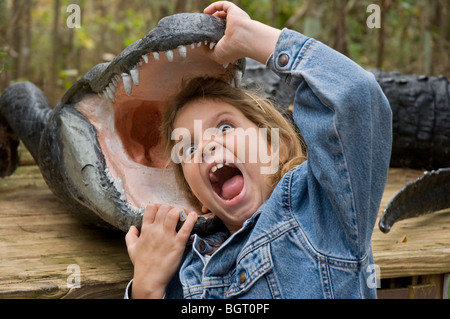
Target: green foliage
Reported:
[(415, 34)]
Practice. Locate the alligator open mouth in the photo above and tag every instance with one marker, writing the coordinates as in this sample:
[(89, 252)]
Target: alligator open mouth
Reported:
[(128, 112)]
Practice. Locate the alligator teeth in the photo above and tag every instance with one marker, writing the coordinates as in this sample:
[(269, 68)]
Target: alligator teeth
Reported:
[(112, 87), (135, 75), (169, 55), (127, 85), (110, 93), (182, 51), (237, 78), (114, 81)]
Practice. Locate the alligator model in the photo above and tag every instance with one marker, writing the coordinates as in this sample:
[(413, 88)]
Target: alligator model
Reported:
[(99, 149)]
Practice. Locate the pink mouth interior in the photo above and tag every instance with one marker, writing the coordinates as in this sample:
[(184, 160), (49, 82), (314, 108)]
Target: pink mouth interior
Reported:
[(230, 182), (128, 127)]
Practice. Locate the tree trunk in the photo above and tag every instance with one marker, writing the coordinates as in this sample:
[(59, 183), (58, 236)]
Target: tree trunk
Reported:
[(16, 38), (55, 47), (340, 43), (381, 35), (26, 45)]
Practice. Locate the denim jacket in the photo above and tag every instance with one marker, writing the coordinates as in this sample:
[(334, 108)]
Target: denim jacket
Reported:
[(312, 237)]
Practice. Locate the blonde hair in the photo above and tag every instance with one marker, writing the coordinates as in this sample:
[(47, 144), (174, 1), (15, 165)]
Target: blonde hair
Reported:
[(258, 110)]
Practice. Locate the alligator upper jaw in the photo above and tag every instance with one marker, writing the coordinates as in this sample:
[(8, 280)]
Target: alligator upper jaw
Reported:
[(126, 114)]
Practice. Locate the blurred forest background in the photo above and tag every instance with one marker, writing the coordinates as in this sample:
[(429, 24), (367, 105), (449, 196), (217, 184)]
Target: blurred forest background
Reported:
[(36, 44)]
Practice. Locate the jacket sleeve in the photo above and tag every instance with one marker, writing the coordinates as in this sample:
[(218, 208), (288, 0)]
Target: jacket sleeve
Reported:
[(346, 121)]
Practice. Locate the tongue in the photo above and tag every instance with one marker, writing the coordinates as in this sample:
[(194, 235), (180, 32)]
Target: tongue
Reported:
[(232, 187)]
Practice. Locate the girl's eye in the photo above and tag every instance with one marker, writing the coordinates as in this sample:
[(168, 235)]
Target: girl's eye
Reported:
[(188, 151), (224, 127)]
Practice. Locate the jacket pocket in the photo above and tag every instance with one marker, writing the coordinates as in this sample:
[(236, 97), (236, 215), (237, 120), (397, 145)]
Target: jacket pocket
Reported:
[(251, 267)]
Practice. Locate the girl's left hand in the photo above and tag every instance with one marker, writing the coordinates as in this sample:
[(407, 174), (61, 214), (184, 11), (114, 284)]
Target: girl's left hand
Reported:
[(157, 251)]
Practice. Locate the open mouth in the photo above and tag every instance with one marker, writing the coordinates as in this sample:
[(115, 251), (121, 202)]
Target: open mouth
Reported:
[(226, 180), (127, 115)]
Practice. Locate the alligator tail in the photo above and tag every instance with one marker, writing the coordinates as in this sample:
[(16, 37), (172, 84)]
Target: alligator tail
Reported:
[(430, 193), (421, 114), (24, 112)]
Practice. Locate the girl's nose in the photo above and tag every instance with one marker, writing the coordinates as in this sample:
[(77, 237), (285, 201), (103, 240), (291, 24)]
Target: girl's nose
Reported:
[(209, 151)]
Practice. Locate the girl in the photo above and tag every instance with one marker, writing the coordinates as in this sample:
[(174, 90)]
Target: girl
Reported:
[(303, 231)]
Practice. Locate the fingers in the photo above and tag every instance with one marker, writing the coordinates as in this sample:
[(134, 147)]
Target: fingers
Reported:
[(164, 217), (150, 213), (185, 231), (131, 239), (171, 219), (132, 236), (219, 6)]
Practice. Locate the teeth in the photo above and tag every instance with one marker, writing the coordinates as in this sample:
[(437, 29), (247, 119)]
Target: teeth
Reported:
[(118, 184), (216, 167), (213, 178), (182, 51), (112, 87), (237, 78), (109, 93), (104, 95), (169, 55), (127, 85), (114, 81), (135, 75)]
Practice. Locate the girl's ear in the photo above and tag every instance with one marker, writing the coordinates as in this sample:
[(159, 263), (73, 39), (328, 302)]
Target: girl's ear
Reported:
[(205, 209)]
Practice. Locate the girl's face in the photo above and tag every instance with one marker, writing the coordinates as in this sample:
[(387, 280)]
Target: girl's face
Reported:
[(221, 161)]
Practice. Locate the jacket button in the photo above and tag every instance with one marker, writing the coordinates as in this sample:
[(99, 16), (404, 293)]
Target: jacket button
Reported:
[(202, 246), (283, 60), (242, 277)]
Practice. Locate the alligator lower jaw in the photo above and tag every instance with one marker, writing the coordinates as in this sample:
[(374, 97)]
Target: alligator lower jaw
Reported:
[(127, 115)]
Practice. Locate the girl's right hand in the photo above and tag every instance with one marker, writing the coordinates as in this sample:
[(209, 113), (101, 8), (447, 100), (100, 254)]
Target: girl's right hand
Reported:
[(157, 251), (243, 37)]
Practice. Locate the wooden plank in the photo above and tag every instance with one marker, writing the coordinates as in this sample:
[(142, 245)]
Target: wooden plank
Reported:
[(415, 246), (39, 239)]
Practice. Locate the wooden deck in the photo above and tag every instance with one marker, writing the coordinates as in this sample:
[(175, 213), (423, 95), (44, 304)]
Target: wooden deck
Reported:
[(40, 241)]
